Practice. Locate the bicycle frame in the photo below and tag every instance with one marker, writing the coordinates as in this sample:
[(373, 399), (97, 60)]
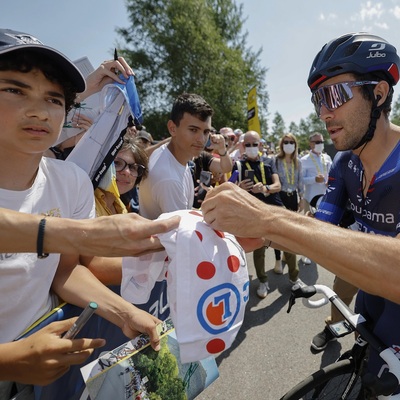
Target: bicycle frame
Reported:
[(358, 323)]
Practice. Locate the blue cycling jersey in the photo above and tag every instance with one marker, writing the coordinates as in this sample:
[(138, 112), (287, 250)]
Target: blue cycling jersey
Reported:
[(377, 212)]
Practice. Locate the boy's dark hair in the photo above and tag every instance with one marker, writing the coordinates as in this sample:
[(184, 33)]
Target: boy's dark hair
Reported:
[(192, 104), (26, 61)]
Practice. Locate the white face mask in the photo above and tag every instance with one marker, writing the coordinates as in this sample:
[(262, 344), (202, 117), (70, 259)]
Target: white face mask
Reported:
[(252, 152), (288, 148), (319, 148)]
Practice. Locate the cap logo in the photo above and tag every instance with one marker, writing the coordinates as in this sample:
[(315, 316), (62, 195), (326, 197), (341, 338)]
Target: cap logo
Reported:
[(24, 38)]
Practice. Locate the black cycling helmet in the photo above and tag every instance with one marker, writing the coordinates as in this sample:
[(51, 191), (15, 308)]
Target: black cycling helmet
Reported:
[(359, 53)]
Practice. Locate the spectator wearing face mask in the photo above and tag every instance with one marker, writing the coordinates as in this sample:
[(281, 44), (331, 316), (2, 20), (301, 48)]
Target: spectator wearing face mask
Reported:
[(265, 185), (315, 166), (290, 173), (289, 169)]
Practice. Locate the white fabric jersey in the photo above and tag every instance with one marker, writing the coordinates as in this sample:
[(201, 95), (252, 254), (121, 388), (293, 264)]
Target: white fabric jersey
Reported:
[(61, 189), (168, 187), (312, 165), (208, 284)]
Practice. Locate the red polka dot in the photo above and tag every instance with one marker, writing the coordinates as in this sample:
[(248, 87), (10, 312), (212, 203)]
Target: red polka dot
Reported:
[(220, 234), (196, 213), (233, 263), (205, 270), (200, 236), (215, 346)]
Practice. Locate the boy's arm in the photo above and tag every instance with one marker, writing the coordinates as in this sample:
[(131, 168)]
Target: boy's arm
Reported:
[(108, 270), (75, 284)]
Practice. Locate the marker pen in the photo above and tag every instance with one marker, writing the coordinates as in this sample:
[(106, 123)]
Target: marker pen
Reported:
[(81, 321)]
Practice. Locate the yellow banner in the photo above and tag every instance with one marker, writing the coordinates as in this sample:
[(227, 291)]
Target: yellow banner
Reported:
[(252, 111)]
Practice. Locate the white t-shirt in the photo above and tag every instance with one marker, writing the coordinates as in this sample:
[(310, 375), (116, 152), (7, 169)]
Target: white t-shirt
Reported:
[(168, 187), (61, 189), (311, 166)]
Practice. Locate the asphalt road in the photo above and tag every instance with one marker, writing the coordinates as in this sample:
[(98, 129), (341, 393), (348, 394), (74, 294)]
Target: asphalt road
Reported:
[(271, 352)]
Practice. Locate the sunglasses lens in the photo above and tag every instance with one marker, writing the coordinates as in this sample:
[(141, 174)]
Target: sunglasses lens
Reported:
[(288, 142), (119, 164), (251, 145), (332, 96)]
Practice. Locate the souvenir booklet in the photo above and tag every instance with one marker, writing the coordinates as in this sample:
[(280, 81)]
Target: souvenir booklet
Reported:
[(135, 371)]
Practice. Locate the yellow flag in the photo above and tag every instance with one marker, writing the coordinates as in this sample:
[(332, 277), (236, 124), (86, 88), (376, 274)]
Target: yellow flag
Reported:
[(252, 111)]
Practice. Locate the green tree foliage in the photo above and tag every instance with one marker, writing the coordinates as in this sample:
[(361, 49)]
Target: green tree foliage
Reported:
[(161, 369), (302, 131), (195, 46), (277, 130)]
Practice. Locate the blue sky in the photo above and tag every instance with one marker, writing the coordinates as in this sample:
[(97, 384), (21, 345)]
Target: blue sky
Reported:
[(290, 32)]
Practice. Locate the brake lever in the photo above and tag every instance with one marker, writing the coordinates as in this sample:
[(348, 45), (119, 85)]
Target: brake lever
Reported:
[(300, 291)]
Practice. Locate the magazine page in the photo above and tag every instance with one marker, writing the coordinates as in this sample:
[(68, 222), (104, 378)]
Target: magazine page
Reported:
[(135, 371)]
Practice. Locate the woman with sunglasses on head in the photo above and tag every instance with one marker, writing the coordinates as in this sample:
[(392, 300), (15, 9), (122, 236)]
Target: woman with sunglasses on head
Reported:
[(289, 169), (290, 173)]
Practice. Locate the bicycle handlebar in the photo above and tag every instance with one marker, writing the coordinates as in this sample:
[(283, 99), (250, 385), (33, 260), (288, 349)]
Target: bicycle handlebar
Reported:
[(357, 321)]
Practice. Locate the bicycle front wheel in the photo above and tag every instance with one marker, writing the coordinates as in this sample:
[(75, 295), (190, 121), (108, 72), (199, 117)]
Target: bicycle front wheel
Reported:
[(336, 381)]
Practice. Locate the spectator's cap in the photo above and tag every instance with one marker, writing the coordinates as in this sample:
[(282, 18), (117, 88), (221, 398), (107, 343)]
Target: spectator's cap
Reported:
[(145, 135), (238, 132), (12, 41)]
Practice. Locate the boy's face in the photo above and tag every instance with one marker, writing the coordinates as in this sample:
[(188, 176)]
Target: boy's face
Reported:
[(191, 135), (32, 111)]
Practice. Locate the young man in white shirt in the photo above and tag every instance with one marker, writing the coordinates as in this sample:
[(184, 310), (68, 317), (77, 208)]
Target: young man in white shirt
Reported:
[(169, 184)]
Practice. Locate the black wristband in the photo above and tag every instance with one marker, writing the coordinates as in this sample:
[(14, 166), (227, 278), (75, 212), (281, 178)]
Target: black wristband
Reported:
[(223, 155), (40, 237)]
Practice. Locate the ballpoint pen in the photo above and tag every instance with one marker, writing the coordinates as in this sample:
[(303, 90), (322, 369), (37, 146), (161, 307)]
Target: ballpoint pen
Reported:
[(81, 321), (116, 59)]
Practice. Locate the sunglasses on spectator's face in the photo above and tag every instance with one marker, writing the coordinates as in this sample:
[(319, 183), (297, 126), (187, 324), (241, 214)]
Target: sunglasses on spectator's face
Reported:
[(334, 96), (317, 141), (288, 142), (135, 169), (251, 145)]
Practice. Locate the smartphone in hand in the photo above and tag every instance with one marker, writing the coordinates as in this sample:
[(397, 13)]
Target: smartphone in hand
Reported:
[(249, 174), (205, 179)]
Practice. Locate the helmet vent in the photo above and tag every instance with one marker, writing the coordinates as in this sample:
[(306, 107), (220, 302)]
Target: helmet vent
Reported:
[(334, 46), (350, 50)]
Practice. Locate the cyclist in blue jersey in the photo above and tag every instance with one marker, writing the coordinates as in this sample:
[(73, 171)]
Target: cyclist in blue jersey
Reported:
[(351, 81), (367, 174)]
